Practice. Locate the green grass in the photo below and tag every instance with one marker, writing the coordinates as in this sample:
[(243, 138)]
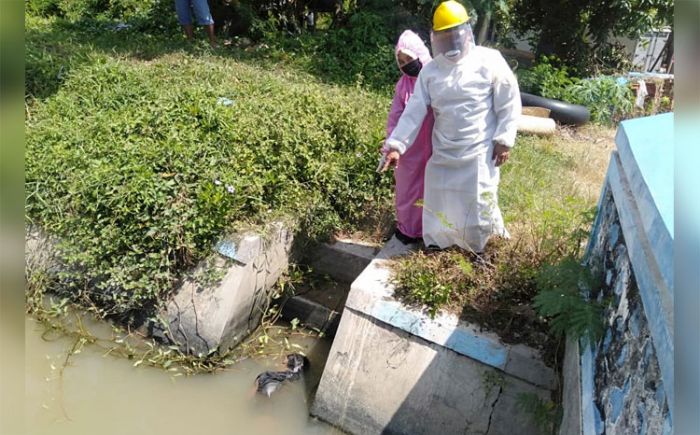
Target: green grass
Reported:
[(131, 161)]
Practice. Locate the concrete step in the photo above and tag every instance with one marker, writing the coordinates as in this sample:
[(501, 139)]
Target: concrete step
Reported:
[(342, 260), (320, 305)]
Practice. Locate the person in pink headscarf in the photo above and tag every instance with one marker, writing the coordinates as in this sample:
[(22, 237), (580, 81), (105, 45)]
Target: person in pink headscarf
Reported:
[(411, 54)]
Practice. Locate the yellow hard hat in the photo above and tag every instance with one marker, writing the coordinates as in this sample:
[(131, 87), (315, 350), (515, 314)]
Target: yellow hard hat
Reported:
[(449, 14)]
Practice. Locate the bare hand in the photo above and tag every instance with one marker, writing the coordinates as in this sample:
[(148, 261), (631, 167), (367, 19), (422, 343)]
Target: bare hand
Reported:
[(391, 158), (500, 154)]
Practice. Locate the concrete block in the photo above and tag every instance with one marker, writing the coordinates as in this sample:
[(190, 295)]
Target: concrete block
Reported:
[(343, 260), (393, 370), (381, 379), (205, 316), (571, 398), (311, 314)]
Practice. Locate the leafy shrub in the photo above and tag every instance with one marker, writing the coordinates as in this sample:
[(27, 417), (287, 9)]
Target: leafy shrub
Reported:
[(606, 98), (578, 31), (145, 14), (561, 299), (546, 78), (44, 8), (139, 170), (360, 53), (420, 282)]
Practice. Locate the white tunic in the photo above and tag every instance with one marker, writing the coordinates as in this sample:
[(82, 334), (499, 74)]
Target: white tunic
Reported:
[(476, 101)]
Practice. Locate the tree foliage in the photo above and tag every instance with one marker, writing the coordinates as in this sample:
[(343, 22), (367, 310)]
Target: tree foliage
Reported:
[(579, 31)]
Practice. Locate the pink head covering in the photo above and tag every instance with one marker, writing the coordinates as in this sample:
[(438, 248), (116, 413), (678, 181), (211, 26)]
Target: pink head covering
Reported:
[(410, 43)]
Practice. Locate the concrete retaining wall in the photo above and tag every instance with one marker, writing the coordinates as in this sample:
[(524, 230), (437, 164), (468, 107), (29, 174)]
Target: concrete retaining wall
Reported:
[(220, 311), (624, 384), (394, 370)]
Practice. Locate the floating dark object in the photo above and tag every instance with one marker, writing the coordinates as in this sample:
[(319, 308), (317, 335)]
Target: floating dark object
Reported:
[(297, 362), (563, 113), (269, 382)]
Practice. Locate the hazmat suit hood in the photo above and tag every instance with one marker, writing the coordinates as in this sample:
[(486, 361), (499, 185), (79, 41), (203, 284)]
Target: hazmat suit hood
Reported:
[(411, 44)]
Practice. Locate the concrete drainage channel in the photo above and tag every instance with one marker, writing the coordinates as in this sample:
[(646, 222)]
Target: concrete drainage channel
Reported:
[(393, 370), (390, 369)]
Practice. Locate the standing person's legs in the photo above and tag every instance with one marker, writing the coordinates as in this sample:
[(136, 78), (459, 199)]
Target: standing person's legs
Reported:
[(204, 18), (184, 15)]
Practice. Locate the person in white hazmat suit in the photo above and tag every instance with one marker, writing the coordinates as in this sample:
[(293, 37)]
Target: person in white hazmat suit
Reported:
[(476, 102)]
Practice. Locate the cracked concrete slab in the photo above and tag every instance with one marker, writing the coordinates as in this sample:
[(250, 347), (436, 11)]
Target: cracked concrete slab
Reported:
[(203, 316)]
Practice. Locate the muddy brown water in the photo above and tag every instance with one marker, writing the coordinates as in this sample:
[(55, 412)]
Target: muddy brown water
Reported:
[(106, 395)]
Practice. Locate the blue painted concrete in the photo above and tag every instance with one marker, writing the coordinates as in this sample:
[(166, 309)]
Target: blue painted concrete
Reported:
[(668, 425), (607, 340), (620, 325), (599, 426), (227, 248), (460, 340), (645, 147), (660, 397), (616, 401), (614, 234), (640, 177), (633, 322), (641, 412), (623, 355), (595, 229), (650, 140)]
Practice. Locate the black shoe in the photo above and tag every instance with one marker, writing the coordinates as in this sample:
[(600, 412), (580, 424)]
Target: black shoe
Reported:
[(403, 238), (433, 248)]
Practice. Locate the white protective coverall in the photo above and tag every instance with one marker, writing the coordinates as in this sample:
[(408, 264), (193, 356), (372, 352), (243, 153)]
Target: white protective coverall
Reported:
[(476, 101)]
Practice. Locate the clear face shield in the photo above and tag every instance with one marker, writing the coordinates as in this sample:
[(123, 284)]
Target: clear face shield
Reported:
[(454, 43)]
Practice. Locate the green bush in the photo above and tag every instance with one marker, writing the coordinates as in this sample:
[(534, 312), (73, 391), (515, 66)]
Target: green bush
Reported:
[(143, 13), (138, 169), (359, 54), (606, 98), (546, 78), (560, 298), (43, 8)]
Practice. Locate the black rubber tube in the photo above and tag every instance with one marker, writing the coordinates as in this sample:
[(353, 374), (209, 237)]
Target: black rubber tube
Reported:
[(563, 113)]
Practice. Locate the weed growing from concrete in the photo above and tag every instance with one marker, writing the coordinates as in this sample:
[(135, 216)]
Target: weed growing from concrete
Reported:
[(544, 413)]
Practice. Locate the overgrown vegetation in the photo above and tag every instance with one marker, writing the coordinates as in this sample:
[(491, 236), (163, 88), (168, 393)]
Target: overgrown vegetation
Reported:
[(138, 166)]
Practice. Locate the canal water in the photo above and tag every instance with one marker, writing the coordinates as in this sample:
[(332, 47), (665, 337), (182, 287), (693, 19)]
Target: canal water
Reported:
[(98, 394)]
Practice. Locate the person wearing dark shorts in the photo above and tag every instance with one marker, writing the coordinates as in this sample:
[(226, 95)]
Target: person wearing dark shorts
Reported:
[(185, 8)]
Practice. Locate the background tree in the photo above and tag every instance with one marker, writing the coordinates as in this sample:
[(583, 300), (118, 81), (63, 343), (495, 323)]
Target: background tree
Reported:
[(579, 31)]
